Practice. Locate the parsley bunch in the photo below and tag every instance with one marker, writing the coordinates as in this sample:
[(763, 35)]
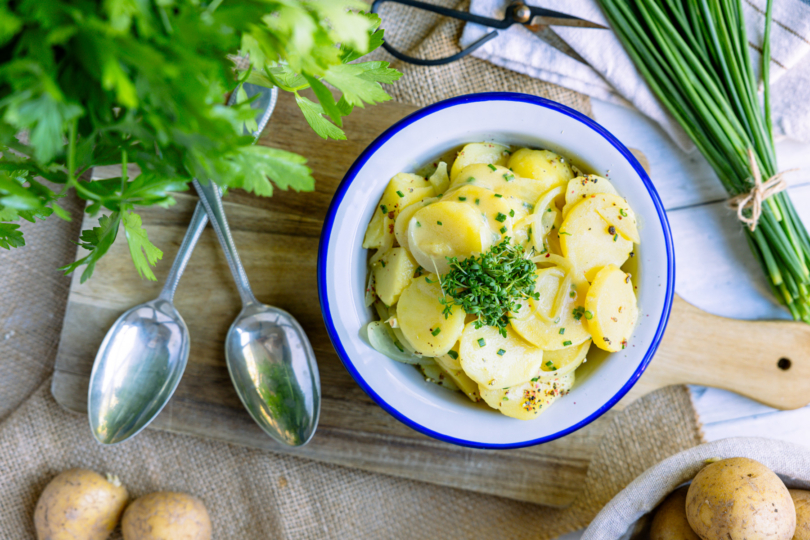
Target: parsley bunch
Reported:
[(490, 286), (91, 83)]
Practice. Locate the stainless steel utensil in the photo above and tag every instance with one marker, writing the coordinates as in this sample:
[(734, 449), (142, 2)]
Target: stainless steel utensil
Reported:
[(143, 356), (269, 357)]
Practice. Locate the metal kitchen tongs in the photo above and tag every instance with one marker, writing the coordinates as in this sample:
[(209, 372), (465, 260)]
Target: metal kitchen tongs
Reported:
[(516, 13)]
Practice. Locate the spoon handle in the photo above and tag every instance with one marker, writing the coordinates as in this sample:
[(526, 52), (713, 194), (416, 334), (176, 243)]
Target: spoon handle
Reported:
[(198, 222), (211, 198)]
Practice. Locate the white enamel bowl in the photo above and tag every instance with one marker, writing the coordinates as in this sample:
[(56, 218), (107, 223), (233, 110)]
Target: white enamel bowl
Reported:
[(517, 119)]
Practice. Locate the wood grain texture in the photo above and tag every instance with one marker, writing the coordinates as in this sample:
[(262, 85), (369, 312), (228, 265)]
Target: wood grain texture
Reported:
[(278, 239), (741, 356)]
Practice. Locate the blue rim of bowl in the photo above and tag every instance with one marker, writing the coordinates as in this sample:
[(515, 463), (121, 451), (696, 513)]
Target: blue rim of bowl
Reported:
[(323, 251)]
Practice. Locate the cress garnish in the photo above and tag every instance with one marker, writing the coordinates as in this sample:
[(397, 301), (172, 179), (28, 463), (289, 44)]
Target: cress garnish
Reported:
[(490, 286)]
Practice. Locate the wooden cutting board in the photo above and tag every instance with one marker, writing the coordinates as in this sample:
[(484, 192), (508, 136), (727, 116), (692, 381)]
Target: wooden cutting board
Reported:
[(278, 239)]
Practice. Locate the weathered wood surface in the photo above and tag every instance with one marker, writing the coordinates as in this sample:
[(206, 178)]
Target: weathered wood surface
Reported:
[(278, 240)]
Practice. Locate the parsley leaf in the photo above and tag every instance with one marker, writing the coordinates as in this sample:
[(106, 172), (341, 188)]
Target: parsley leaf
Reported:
[(313, 112), (144, 253), (97, 241), (10, 236)]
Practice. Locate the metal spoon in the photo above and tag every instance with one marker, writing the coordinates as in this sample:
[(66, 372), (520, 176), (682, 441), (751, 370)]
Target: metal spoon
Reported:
[(270, 360), (143, 356)]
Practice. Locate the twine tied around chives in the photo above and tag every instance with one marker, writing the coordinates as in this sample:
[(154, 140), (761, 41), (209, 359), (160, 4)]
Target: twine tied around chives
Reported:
[(761, 191)]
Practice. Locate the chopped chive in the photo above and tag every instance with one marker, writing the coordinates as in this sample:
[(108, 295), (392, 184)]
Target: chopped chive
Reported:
[(477, 201), (500, 217), (482, 342), (384, 209), (462, 198), (562, 330), (399, 346), (615, 237), (437, 331), (427, 279), (418, 224), (572, 294), (400, 194), (491, 166), (588, 315), (512, 213), (622, 212), (508, 177), (498, 195), (566, 343), (550, 364), (471, 179), (565, 233), (382, 263), (453, 355), (503, 230), (438, 223)]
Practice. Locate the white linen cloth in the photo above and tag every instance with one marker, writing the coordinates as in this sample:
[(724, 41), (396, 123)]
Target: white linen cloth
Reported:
[(611, 76)]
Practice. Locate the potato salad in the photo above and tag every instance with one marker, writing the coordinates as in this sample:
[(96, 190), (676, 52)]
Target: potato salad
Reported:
[(495, 270)]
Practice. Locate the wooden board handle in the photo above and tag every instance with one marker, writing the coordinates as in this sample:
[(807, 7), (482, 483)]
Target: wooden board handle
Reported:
[(768, 361)]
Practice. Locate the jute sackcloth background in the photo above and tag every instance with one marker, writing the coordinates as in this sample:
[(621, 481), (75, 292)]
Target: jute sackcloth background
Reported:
[(256, 494)]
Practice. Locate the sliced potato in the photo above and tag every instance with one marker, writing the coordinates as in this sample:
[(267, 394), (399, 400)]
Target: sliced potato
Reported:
[(447, 229), (421, 319), (402, 190), (527, 400), (392, 273), (590, 242), (613, 303), (582, 187), (439, 179), (501, 212), (495, 361), (618, 213), (452, 368), (563, 361), (483, 152), (404, 218), (554, 321), (502, 181), (542, 165)]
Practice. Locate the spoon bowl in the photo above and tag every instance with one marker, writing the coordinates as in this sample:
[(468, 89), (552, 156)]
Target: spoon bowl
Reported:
[(266, 351), (147, 348)]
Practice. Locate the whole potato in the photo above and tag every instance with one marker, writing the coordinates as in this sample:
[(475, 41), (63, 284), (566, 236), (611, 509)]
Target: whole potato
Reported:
[(801, 500), (740, 499), (166, 516), (670, 521), (79, 504)]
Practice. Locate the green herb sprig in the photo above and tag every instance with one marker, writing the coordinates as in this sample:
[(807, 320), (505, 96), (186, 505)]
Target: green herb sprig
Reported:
[(143, 82), (490, 286), (694, 55)]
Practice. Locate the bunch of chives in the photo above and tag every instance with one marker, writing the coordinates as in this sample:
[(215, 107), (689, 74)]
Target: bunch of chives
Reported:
[(694, 56)]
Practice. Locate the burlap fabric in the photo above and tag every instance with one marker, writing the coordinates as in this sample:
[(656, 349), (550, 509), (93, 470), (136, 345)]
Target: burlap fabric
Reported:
[(256, 494), (627, 515)]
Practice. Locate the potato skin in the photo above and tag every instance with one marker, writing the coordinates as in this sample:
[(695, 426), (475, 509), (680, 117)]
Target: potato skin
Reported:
[(801, 500), (670, 521), (740, 499), (166, 515), (79, 504)]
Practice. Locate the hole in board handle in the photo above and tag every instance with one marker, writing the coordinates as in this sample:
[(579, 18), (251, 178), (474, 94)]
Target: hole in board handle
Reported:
[(784, 364)]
